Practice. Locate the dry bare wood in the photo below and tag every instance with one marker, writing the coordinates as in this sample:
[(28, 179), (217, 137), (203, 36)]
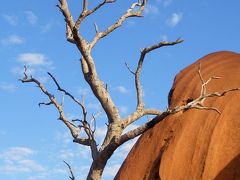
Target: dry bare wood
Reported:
[(115, 123)]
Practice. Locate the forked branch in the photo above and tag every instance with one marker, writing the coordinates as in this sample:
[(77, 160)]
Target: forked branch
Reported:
[(131, 12), (140, 109), (80, 103), (72, 177), (197, 103), (53, 101), (85, 12), (144, 52)]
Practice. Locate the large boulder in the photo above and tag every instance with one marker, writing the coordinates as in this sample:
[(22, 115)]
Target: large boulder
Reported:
[(195, 144)]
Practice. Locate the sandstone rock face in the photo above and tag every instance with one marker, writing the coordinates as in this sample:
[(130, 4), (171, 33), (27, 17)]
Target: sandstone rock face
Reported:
[(195, 144)]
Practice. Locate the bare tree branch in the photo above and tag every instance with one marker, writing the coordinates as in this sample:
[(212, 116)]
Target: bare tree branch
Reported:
[(80, 103), (96, 28), (193, 104), (144, 52), (90, 141), (141, 129), (115, 125), (129, 13), (72, 177), (140, 110), (69, 35), (43, 103), (86, 12), (73, 129), (130, 70)]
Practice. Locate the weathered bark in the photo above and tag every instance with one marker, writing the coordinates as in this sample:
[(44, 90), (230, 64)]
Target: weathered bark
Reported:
[(96, 170), (114, 137)]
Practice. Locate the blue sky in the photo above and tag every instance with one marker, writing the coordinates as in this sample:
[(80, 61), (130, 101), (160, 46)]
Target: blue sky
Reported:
[(33, 142)]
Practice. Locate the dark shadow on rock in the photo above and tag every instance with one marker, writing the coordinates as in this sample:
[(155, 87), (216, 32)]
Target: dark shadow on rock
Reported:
[(231, 171)]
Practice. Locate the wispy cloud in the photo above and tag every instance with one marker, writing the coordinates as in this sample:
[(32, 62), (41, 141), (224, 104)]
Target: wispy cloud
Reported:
[(37, 64), (122, 89), (32, 59), (64, 137), (7, 87), (47, 27), (94, 106), (101, 132), (66, 154), (83, 91), (151, 10), (128, 146), (130, 127), (16, 153), (164, 38), (123, 109), (11, 19), (111, 171), (13, 40), (175, 19), (130, 23), (31, 17), (164, 2), (18, 160)]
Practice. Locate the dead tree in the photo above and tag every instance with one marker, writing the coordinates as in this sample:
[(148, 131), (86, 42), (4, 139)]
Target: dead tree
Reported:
[(115, 123)]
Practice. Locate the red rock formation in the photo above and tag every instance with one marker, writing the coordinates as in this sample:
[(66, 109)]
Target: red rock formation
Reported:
[(196, 144)]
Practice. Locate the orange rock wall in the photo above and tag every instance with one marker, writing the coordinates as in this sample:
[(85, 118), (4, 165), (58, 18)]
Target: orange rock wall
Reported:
[(196, 144)]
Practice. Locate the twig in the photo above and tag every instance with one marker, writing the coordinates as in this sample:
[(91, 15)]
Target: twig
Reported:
[(73, 129), (81, 104), (129, 13), (129, 69), (43, 103), (193, 104), (140, 109), (72, 177)]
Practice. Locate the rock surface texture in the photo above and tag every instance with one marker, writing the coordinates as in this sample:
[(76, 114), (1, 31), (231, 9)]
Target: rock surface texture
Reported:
[(195, 144)]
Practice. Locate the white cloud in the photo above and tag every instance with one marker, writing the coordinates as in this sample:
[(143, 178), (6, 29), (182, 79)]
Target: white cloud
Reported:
[(16, 153), (32, 59), (31, 17), (84, 152), (122, 152), (128, 146), (123, 109), (100, 132), (111, 170), (121, 89), (66, 154), (165, 2), (130, 127), (37, 65), (130, 23), (38, 176), (164, 38), (13, 40), (83, 91), (18, 160), (47, 27), (31, 165), (11, 19), (151, 9), (175, 19), (94, 106), (65, 137), (7, 87)]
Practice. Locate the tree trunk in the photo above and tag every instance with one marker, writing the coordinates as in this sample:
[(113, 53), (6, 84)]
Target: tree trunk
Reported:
[(96, 170)]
